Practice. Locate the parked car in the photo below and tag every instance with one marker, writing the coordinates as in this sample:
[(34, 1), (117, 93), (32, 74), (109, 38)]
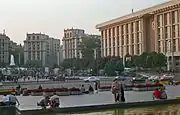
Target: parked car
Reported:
[(91, 79), (122, 78)]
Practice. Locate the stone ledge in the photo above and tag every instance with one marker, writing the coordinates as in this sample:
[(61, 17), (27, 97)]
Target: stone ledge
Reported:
[(102, 107)]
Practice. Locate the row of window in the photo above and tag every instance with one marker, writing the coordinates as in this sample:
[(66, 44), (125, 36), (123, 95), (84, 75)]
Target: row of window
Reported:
[(132, 27), (168, 18), (168, 32), (166, 46), (132, 50), (33, 38)]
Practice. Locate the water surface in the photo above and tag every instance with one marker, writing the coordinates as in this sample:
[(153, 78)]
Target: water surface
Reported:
[(155, 110)]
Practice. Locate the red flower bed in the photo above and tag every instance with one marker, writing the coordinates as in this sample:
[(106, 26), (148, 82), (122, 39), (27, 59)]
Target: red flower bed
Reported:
[(35, 90), (74, 89), (47, 90), (148, 85), (61, 89)]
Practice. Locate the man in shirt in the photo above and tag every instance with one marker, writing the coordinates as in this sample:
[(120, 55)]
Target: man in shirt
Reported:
[(54, 101), (13, 99), (6, 100)]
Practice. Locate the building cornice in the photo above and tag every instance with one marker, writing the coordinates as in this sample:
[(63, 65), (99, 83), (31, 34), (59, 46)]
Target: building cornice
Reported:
[(150, 10)]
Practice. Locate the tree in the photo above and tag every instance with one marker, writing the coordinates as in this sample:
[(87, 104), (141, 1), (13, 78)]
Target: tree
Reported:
[(110, 68), (88, 47), (119, 66)]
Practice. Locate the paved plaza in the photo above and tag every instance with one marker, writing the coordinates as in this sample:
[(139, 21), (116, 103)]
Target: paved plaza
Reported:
[(29, 102)]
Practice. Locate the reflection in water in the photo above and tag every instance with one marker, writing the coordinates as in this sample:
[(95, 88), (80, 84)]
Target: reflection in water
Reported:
[(156, 110)]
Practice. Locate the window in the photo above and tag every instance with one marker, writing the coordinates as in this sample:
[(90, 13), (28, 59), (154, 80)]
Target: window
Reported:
[(158, 20), (122, 30), (165, 19), (137, 37), (166, 32), (132, 49), (33, 37), (106, 34), (109, 32), (117, 30), (174, 45), (132, 27), (159, 33), (118, 41), (173, 17), (37, 37), (29, 38), (113, 31), (137, 25), (173, 31), (132, 39), (122, 40), (159, 46), (127, 31)]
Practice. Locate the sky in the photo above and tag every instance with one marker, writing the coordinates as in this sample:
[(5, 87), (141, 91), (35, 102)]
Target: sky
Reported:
[(53, 16)]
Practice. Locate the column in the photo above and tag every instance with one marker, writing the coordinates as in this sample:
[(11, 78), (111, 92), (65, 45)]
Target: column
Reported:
[(108, 42), (116, 45), (112, 45)]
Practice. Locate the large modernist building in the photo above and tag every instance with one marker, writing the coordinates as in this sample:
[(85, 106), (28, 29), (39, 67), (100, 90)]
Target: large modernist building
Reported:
[(38, 46), (153, 29)]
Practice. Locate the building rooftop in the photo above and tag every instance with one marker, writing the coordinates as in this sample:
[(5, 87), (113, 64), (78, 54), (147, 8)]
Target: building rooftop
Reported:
[(139, 13)]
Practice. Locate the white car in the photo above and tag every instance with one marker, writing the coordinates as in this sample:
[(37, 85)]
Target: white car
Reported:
[(91, 79)]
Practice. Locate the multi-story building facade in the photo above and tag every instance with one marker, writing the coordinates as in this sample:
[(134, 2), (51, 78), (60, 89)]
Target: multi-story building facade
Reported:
[(71, 41), (4, 49), (43, 48), (153, 29)]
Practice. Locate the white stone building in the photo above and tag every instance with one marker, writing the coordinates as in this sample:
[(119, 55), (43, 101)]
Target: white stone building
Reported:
[(43, 48)]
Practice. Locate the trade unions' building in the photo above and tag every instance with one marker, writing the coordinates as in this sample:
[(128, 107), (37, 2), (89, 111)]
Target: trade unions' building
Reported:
[(156, 28)]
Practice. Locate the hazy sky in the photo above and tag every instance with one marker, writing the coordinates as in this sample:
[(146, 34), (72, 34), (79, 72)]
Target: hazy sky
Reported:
[(51, 16)]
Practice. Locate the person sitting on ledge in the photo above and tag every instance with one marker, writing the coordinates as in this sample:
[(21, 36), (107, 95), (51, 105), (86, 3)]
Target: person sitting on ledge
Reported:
[(54, 101), (44, 102), (156, 94), (13, 99), (6, 100), (163, 94), (91, 90)]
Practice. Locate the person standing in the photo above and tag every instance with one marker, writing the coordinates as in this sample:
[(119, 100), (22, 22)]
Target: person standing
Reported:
[(116, 90), (122, 94)]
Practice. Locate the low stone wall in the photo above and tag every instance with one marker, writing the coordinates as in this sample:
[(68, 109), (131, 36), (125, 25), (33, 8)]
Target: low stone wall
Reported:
[(9, 111), (94, 108)]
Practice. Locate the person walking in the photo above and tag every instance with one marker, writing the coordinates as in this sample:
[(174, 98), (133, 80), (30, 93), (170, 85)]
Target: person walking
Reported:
[(116, 90)]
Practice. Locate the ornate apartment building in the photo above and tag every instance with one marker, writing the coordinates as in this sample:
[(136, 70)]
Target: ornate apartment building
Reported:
[(4, 49), (71, 41), (153, 29), (41, 47)]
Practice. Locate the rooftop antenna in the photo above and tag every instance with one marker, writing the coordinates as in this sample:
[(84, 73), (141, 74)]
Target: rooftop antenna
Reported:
[(4, 32)]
